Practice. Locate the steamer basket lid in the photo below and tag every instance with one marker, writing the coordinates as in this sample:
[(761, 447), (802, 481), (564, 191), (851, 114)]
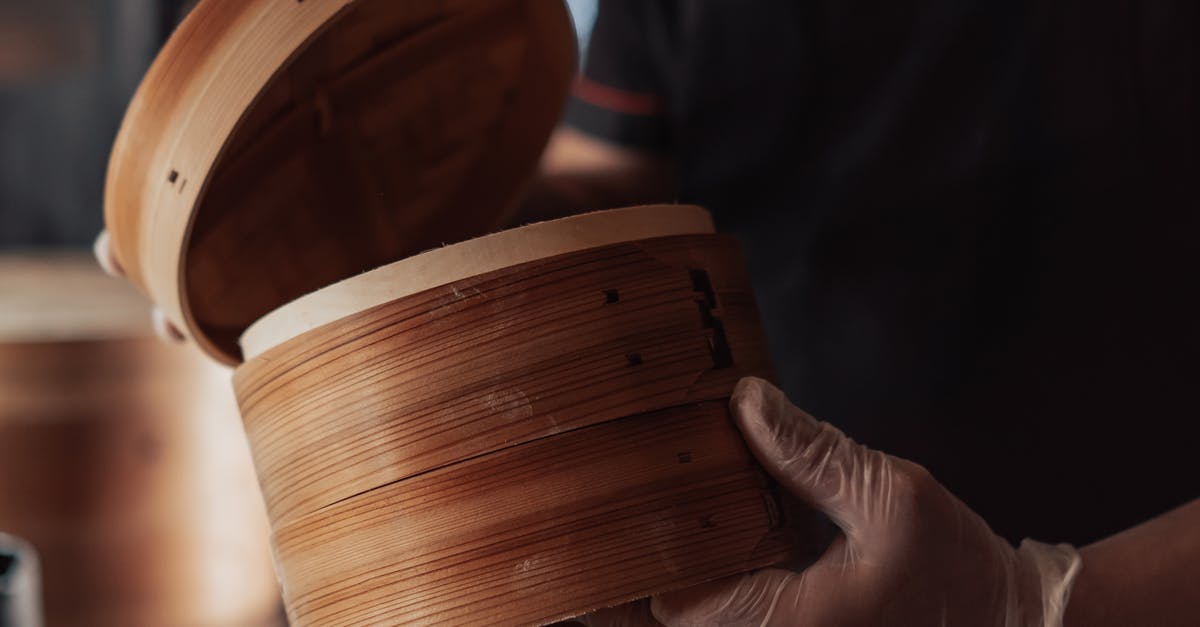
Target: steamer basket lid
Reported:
[(278, 146)]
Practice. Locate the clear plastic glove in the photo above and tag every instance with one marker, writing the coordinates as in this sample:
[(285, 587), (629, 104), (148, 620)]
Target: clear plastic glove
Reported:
[(910, 554)]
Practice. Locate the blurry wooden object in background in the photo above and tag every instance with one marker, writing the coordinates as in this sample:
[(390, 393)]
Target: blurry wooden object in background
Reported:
[(122, 459), (43, 37), (20, 584), (508, 430)]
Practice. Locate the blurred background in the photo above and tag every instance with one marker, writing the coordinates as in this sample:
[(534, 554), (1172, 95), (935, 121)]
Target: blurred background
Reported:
[(986, 270), (127, 495)]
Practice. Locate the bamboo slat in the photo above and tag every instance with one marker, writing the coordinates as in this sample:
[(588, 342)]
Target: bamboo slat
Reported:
[(493, 361)]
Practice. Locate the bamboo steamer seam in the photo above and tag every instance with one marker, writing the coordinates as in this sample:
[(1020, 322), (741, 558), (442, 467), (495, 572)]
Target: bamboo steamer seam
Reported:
[(121, 459), (407, 398), (608, 513)]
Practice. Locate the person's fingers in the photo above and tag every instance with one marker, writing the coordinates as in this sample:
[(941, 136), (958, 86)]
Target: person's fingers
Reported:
[(164, 329), (102, 249), (850, 483), (750, 599)]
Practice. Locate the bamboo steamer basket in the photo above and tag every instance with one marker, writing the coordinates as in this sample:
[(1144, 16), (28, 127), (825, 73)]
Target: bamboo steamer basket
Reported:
[(511, 429), (122, 460), (470, 437)]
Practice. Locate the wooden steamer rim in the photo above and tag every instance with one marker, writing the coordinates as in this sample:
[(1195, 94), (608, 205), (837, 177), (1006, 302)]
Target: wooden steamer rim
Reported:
[(454, 262), (262, 120)]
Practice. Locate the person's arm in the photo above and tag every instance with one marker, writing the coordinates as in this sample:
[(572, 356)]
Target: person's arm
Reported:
[(580, 173), (1147, 575), (615, 145)]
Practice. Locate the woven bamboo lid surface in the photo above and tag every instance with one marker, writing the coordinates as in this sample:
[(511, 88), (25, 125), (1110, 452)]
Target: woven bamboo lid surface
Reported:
[(276, 147)]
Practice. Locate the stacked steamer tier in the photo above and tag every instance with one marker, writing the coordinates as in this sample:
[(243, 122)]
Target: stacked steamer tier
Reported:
[(122, 460), (542, 431), (512, 429)]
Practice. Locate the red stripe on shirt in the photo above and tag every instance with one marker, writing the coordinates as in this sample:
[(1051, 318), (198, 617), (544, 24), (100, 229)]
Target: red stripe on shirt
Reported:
[(614, 99)]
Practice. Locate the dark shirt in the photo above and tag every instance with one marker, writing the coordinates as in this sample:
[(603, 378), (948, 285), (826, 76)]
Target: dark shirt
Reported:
[(972, 226), (60, 113)]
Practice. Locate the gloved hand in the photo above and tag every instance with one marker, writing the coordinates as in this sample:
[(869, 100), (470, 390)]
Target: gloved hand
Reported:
[(910, 554)]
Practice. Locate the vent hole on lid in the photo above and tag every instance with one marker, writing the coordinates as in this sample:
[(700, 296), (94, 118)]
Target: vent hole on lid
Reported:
[(173, 176)]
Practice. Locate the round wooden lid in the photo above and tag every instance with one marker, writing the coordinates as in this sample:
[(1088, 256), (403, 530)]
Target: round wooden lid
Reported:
[(64, 296), (278, 146)]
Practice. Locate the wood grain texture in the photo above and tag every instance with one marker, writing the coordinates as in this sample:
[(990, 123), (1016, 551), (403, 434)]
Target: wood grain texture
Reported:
[(123, 462), (261, 121), (540, 532), (493, 361), (568, 411)]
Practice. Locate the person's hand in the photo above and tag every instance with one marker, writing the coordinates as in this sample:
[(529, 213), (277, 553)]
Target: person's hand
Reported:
[(104, 257), (910, 554)]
